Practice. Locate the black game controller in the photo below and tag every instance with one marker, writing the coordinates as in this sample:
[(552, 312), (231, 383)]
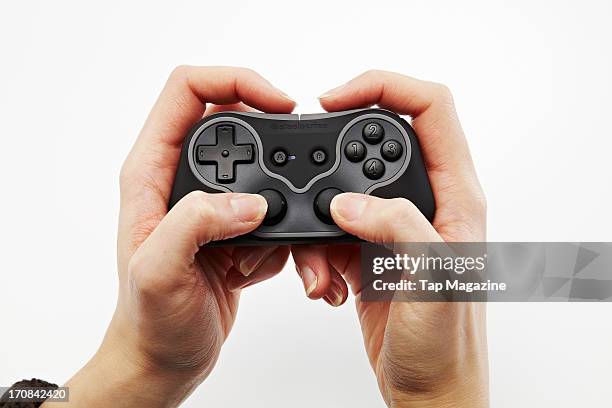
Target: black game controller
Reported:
[(299, 163)]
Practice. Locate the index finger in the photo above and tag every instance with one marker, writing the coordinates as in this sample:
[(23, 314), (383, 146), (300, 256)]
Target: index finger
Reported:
[(182, 103), (148, 172), (429, 104), (445, 149)]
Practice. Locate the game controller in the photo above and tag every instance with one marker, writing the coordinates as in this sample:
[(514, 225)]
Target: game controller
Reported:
[(298, 163)]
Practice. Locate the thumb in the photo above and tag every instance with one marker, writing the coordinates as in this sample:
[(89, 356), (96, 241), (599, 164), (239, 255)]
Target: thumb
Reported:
[(381, 220), (199, 218)]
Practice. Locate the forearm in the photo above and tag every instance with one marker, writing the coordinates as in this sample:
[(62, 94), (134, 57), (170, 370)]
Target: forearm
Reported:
[(110, 379)]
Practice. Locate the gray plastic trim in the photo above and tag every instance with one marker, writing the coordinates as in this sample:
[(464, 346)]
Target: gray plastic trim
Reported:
[(315, 179), (199, 131)]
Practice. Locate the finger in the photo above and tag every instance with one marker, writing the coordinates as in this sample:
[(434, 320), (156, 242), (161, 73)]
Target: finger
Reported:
[(269, 267), (234, 107), (148, 172), (248, 259), (381, 220), (430, 105), (195, 220), (313, 268), (338, 290), (444, 146), (346, 260), (182, 103)]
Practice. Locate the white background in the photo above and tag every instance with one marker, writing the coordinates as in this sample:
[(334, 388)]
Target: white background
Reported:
[(532, 83)]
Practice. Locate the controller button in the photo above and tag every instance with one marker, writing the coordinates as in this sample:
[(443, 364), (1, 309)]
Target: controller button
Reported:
[(391, 150), (319, 156), (322, 203), (355, 151), (279, 157), (225, 153), (373, 169), (373, 133), (277, 206)]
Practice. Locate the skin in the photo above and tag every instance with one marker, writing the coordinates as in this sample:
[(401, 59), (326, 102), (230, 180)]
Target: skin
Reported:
[(177, 301), (423, 354)]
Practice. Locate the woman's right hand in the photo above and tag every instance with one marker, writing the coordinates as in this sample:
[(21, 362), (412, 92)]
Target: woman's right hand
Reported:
[(423, 354)]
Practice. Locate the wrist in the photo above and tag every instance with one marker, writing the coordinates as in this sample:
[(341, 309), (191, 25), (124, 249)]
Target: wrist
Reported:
[(120, 378), (475, 398), (471, 390)]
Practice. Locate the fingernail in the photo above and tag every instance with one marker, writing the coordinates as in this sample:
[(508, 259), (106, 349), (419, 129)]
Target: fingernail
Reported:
[(337, 296), (334, 303), (284, 95), (236, 285), (349, 206), (253, 260), (249, 207), (309, 278), (332, 92)]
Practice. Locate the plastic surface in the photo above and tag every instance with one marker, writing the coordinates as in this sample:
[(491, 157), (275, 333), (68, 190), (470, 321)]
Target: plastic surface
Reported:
[(300, 179)]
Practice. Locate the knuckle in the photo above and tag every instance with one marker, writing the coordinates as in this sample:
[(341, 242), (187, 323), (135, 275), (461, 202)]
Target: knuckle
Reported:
[(135, 269), (247, 71), (443, 92), (373, 73), (125, 173), (240, 72), (480, 202), (148, 277), (476, 202), (402, 208), (180, 72), (143, 285), (198, 206)]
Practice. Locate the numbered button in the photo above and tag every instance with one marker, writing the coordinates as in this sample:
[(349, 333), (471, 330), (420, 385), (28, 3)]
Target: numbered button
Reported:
[(373, 132), (355, 151), (373, 169), (391, 150)]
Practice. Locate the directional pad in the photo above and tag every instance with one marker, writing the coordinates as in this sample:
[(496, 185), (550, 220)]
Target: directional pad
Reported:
[(225, 153)]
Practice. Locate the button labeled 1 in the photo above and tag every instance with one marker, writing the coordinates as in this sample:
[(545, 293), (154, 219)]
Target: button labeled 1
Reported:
[(355, 151)]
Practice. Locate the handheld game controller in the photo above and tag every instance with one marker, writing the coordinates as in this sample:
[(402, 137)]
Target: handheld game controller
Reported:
[(298, 163)]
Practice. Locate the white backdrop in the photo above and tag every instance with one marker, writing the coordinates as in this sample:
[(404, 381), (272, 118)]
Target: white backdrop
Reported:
[(532, 82)]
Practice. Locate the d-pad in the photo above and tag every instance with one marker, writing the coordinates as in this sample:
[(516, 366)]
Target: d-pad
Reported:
[(225, 153)]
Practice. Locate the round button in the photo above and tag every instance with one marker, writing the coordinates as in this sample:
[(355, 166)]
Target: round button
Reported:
[(319, 156), (322, 203), (373, 133), (225, 153), (277, 206), (373, 169), (279, 157), (354, 151), (391, 150)]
